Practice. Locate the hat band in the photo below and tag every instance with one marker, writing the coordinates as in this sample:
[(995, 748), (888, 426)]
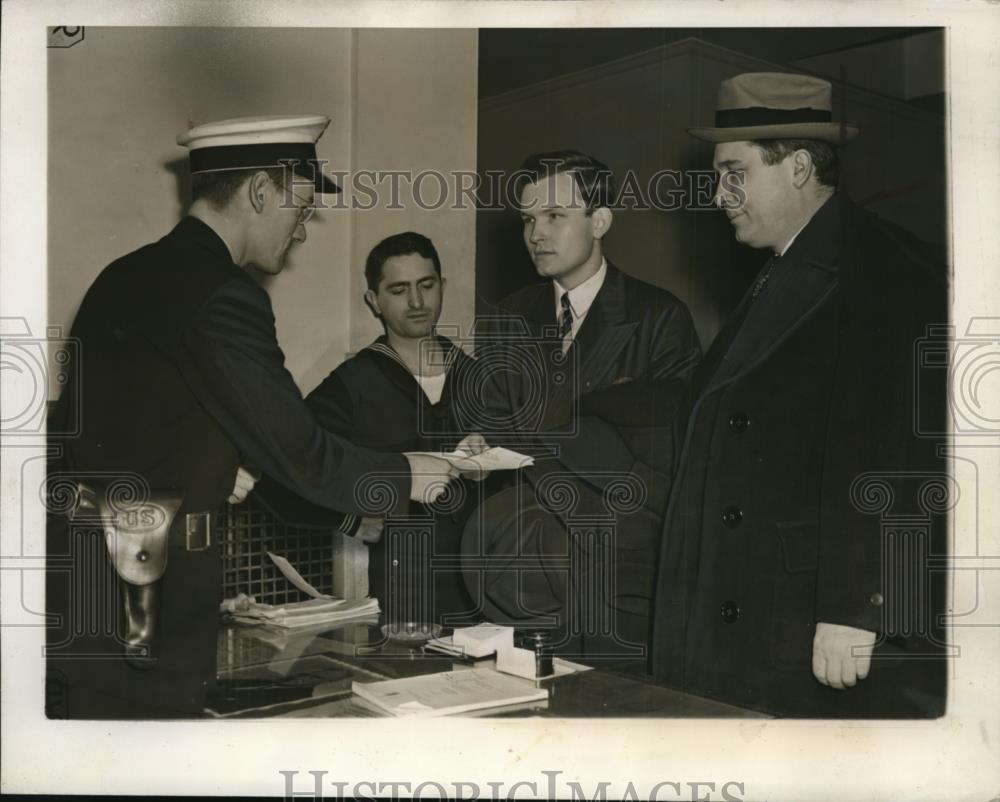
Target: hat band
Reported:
[(761, 115), (264, 157)]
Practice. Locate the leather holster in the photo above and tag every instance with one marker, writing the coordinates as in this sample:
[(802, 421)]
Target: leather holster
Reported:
[(137, 535)]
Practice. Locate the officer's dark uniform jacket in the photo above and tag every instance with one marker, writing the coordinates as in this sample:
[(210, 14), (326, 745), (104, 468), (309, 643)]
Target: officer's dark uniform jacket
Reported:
[(181, 381), (771, 526)]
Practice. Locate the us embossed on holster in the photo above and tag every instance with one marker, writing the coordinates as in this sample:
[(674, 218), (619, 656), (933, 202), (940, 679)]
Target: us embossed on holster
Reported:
[(137, 535), (133, 591)]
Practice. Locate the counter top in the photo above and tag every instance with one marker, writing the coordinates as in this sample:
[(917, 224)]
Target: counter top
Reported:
[(358, 652)]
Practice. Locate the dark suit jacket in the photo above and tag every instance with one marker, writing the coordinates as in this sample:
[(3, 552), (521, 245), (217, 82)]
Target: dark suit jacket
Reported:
[(608, 405), (804, 391), (605, 412)]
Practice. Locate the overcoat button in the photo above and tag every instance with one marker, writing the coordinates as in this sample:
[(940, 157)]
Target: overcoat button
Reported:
[(877, 599), (739, 422), (730, 611), (142, 556), (731, 516)]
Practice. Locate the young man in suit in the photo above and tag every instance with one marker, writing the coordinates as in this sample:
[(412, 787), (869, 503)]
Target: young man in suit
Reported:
[(588, 364), (777, 577), (613, 328)]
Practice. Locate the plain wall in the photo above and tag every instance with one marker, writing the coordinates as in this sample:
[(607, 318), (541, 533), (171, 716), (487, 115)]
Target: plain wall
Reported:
[(117, 179), (417, 112)]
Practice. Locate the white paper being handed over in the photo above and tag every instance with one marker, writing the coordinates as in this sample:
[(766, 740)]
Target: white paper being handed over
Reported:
[(492, 459)]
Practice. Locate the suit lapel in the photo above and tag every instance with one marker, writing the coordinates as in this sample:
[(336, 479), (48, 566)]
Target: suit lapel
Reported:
[(540, 312), (606, 329)]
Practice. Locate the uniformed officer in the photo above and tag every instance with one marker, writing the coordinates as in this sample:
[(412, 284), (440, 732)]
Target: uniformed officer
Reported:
[(182, 382)]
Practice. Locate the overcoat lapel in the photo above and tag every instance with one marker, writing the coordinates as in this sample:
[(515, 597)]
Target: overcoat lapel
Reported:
[(802, 282)]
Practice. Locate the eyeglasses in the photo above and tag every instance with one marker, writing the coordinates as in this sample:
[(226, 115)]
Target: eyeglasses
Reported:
[(306, 211)]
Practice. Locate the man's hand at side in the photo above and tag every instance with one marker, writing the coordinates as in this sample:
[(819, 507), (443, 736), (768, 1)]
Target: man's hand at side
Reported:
[(841, 655), (430, 477)]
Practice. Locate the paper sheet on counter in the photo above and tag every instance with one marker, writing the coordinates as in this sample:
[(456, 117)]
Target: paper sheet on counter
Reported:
[(320, 610), (288, 572), (312, 613), (446, 645), (449, 692)]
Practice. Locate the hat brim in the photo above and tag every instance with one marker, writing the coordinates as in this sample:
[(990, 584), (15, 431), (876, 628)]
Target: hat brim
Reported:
[(321, 183), (833, 133)]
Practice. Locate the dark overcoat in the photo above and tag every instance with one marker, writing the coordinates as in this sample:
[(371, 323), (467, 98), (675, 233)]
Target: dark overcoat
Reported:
[(804, 407)]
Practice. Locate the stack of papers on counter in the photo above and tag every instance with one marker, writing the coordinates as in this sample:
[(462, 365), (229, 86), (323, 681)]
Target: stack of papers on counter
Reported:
[(481, 640), (449, 692), (308, 613)]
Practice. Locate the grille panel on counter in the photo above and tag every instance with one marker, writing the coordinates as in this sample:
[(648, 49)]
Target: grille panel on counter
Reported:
[(247, 531)]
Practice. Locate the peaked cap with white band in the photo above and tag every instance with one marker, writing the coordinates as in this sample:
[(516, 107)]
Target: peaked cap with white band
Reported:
[(246, 143)]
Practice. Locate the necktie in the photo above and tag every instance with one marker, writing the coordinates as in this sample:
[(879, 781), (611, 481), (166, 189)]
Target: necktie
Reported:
[(763, 276), (565, 318)]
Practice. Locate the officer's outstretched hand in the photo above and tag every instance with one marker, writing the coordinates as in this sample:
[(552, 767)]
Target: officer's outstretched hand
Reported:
[(430, 476), (473, 444), (246, 478), (841, 655)]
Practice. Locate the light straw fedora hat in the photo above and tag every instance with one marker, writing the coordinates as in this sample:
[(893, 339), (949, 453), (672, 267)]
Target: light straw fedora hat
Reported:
[(774, 105)]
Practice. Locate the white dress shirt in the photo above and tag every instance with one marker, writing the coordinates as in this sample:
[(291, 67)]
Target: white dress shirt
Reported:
[(581, 298), (788, 245)]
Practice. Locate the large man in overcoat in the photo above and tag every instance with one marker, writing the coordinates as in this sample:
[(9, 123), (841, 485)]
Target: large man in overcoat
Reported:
[(777, 580)]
